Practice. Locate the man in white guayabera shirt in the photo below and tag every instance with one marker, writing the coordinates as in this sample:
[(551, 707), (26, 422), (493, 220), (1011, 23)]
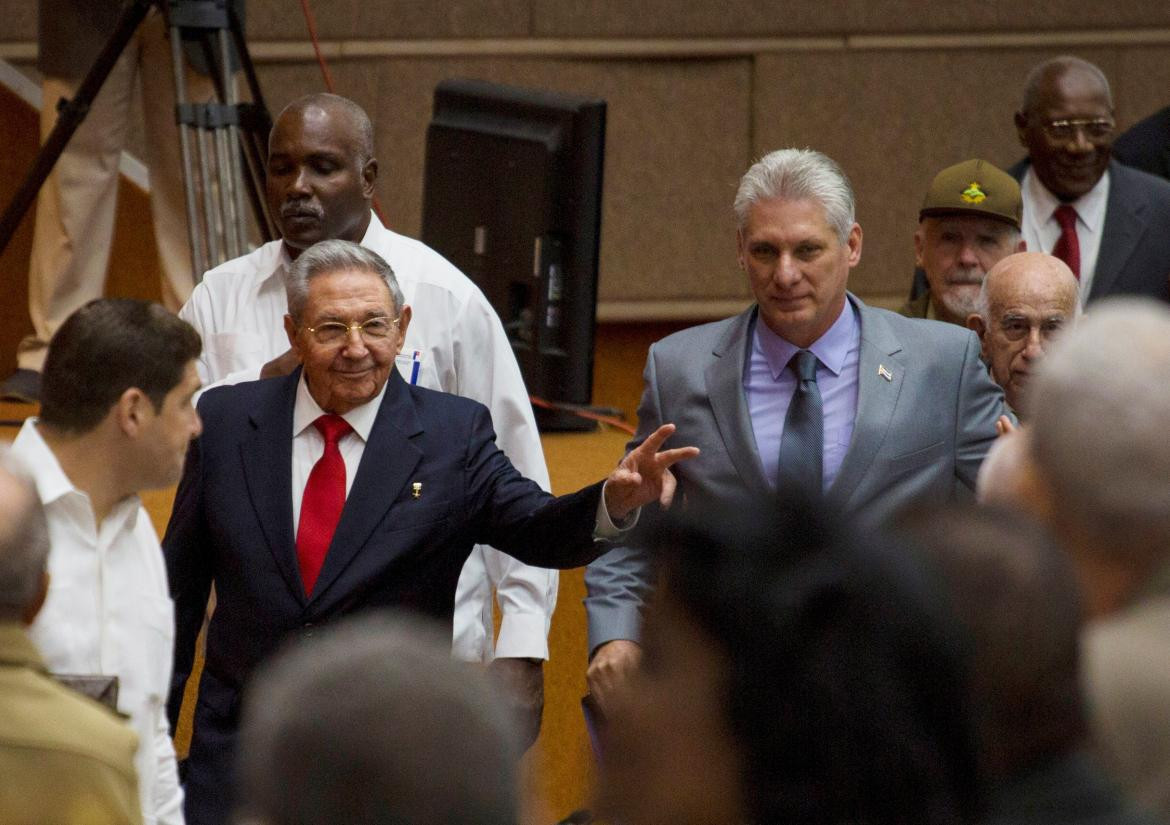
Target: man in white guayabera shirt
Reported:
[(321, 174), (114, 422)]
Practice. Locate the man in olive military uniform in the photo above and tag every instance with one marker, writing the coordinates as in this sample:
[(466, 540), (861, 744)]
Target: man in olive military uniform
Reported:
[(63, 757), (969, 221)]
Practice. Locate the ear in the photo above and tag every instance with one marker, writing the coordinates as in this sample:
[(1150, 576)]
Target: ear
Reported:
[(740, 250), (130, 411), (854, 242), (1021, 121), (918, 242), (975, 322), (403, 323), (1022, 246), (369, 177), (290, 329), (34, 607)]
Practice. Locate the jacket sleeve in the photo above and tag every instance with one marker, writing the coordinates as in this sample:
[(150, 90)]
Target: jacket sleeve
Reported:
[(980, 404), (618, 584), (188, 572)]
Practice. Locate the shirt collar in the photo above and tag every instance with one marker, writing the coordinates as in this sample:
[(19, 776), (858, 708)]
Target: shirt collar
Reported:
[(831, 349), (1090, 206), (307, 410), (284, 261), (52, 482)]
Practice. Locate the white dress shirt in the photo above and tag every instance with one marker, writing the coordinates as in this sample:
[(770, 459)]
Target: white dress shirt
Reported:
[(455, 343), (109, 612), (1041, 231)]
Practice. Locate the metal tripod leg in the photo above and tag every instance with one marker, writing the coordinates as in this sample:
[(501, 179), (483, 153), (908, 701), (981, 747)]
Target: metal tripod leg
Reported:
[(194, 224)]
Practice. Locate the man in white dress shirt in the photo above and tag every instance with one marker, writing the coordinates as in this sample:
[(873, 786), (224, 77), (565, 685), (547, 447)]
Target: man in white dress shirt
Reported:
[(321, 174), (1105, 220), (114, 421)]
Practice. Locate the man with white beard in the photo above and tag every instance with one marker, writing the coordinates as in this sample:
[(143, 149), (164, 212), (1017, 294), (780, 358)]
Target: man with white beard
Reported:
[(969, 221)]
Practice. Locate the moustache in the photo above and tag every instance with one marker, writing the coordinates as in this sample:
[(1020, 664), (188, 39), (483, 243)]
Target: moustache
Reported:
[(300, 210)]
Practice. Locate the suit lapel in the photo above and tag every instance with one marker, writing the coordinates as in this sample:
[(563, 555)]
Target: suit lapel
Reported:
[(1124, 226), (879, 384), (724, 380), (267, 461), (387, 463)]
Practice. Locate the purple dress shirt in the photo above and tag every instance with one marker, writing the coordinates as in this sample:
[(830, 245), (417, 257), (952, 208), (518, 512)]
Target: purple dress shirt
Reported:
[(769, 385)]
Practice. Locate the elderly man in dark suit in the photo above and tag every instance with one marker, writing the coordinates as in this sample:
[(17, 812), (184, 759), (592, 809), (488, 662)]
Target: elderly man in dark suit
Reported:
[(808, 387), (341, 488), (1103, 219)]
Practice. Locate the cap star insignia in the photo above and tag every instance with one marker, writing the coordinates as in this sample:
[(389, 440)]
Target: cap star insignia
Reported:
[(973, 194), (885, 373)]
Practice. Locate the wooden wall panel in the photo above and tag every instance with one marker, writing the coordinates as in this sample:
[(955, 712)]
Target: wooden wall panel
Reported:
[(893, 119)]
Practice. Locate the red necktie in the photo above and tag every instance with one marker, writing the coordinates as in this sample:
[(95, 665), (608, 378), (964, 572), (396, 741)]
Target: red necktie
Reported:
[(323, 501), (1068, 247)]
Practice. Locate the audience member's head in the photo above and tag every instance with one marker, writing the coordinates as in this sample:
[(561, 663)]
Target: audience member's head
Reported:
[(24, 545), (797, 240), (1100, 404), (346, 322), (969, 221), (371, 722), (791, 674), (125, 369), (1017, 594), (1024, 303), (1065, 121), (321, 171)]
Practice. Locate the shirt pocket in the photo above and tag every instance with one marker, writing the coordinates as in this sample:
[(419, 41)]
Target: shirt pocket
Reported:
[(153, 659), (229, 352)]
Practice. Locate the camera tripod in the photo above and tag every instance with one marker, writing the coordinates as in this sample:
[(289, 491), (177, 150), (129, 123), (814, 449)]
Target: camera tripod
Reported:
[(222, 143)]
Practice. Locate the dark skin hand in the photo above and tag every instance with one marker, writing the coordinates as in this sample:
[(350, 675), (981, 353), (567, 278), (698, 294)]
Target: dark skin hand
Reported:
[(282, 364), (523, 683)]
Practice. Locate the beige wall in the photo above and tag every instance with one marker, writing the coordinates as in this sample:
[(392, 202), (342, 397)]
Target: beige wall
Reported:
[(893, 89)]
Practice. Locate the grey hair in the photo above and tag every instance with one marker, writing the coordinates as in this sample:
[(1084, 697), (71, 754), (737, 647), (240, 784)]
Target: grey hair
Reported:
[(798, 174), (1056, 67), (371, 721), (24, 538), (1100, 403), (335, 255)]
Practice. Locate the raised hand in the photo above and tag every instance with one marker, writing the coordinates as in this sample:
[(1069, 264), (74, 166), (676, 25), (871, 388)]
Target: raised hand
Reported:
[(644, 475)]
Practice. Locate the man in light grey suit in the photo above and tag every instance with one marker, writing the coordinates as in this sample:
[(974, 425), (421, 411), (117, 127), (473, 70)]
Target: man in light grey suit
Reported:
[(906, 410)]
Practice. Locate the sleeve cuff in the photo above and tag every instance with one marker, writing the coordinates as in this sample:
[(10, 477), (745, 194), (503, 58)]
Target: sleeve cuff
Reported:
[(604, 528), (522, 636)]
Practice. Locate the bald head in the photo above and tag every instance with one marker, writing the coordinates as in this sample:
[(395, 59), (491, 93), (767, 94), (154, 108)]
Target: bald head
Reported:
[(1025, 300), (1066, 123), (321, 171), (342, 112), (24, 544)]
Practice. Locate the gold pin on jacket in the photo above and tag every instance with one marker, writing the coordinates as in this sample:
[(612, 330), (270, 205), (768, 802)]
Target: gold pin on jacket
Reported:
[(885, 373), (416, 489)]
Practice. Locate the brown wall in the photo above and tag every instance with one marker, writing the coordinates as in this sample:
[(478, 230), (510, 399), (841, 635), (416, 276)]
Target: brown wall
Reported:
[(893, 89)]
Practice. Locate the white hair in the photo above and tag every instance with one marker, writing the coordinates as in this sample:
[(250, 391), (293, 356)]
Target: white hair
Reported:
[(1100, 405), (335, 255), (798, 174)]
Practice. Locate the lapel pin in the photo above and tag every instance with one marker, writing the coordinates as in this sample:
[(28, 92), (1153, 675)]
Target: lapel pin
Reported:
[(885, 373), (416, 490)]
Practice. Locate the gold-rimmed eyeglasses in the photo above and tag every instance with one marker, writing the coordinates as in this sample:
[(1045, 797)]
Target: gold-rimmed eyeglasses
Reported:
[(1095, 128), (371, 330)]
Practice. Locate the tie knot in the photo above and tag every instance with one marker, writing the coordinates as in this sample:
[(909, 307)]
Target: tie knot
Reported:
[(332, 427), (804, 364), (1066, 216)]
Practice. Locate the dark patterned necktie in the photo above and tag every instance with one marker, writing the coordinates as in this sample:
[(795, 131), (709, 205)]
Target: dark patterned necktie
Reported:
[(802, 442)]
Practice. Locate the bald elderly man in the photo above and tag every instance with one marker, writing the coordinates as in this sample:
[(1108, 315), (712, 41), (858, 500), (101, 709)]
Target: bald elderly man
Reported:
[(1026, 299)]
